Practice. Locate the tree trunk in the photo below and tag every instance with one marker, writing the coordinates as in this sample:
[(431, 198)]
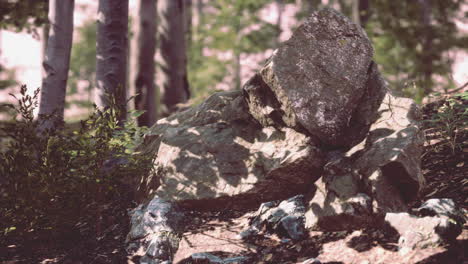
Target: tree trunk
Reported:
[(188, 21), (237, 71), (173, 58), (364, 12), (111, 54), (56, 64), (279, 19), (143, 81), (44, 39), (427, 54)]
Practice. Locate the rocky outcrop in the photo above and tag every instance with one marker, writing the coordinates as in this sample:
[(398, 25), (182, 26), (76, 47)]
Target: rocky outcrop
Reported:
[(317, 79), (382, 172), (216, 150), (318, 113)]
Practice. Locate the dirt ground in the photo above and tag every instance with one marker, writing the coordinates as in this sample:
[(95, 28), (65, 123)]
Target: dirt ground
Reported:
[(215, 232)]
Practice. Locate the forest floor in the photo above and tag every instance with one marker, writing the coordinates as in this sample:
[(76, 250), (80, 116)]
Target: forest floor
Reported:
[(216, 232)]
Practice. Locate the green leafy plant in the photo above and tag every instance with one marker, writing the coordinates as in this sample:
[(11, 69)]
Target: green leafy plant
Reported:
[(56, 179)]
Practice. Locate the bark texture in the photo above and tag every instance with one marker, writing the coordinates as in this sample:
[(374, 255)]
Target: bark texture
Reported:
[(173, 58), (144, 80), (56, 64), (111, 56)]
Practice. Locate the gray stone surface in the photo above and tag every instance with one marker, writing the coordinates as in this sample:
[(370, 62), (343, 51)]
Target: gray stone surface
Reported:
[(208, 258), (384, 168), (420, 232), (317, 81), (216, 150), (285, 218), (155, 231)]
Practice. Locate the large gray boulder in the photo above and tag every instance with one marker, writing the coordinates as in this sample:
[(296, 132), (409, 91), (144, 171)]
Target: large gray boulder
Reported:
[(316, 81), (216, 151)]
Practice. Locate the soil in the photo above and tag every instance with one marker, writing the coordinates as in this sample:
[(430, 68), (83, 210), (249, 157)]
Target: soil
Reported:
[(216, 232)]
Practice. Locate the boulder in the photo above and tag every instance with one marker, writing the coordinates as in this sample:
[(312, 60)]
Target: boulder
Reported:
[(328, 211), (320, 81), (155, 232), (379, 175), (285, 219), (208, 258), (421, 232), (216, 151)]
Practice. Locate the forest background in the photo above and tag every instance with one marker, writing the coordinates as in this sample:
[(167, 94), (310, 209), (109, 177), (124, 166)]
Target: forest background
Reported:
[(419, 45)]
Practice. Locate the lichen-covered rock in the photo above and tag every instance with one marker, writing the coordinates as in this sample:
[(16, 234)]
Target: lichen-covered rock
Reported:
[(390, 158), (317, 81), (285, 218), (328, 211), (217, 150), (420, 232), (384, 168), (207, 258), (155, 231)]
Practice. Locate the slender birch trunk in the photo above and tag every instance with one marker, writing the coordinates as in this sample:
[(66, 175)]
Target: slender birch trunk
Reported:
[(56, 64), (111, 54)]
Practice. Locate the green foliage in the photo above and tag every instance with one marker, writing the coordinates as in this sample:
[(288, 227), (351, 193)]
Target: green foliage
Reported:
[(451, 121), (83, 61), (23, 14), (411, 52), (52, 180), (227, 27)]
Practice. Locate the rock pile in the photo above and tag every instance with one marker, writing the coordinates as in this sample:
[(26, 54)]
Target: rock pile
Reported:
[(316, 120)]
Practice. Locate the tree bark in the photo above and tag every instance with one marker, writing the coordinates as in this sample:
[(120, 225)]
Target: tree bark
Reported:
[(172, 61), (279, 19), (364, 12), (146, 98), (56, 64), (427, 44), (44, 39), (111, 54), (188, 18)]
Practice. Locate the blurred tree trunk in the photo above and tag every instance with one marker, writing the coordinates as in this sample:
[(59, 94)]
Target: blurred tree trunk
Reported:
[(172, 62), (111, 54), (56, 64), (364, 12), (144, 53), (198, 16), (355, 12), (427, 47), (44, 39), (279, 19), (188, 21)]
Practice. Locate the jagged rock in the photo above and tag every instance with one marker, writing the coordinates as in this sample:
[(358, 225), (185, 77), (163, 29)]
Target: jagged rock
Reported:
[(445, 208), (384, 170), (328, 211), (154, 233), (216, 150), (207, 258), (390, 158), (442, 207), (311, 261), (420, 232), (321, 80), (286, 219)]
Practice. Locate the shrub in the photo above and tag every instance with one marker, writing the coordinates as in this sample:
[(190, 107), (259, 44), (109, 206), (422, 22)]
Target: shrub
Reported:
[(54, 179)]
